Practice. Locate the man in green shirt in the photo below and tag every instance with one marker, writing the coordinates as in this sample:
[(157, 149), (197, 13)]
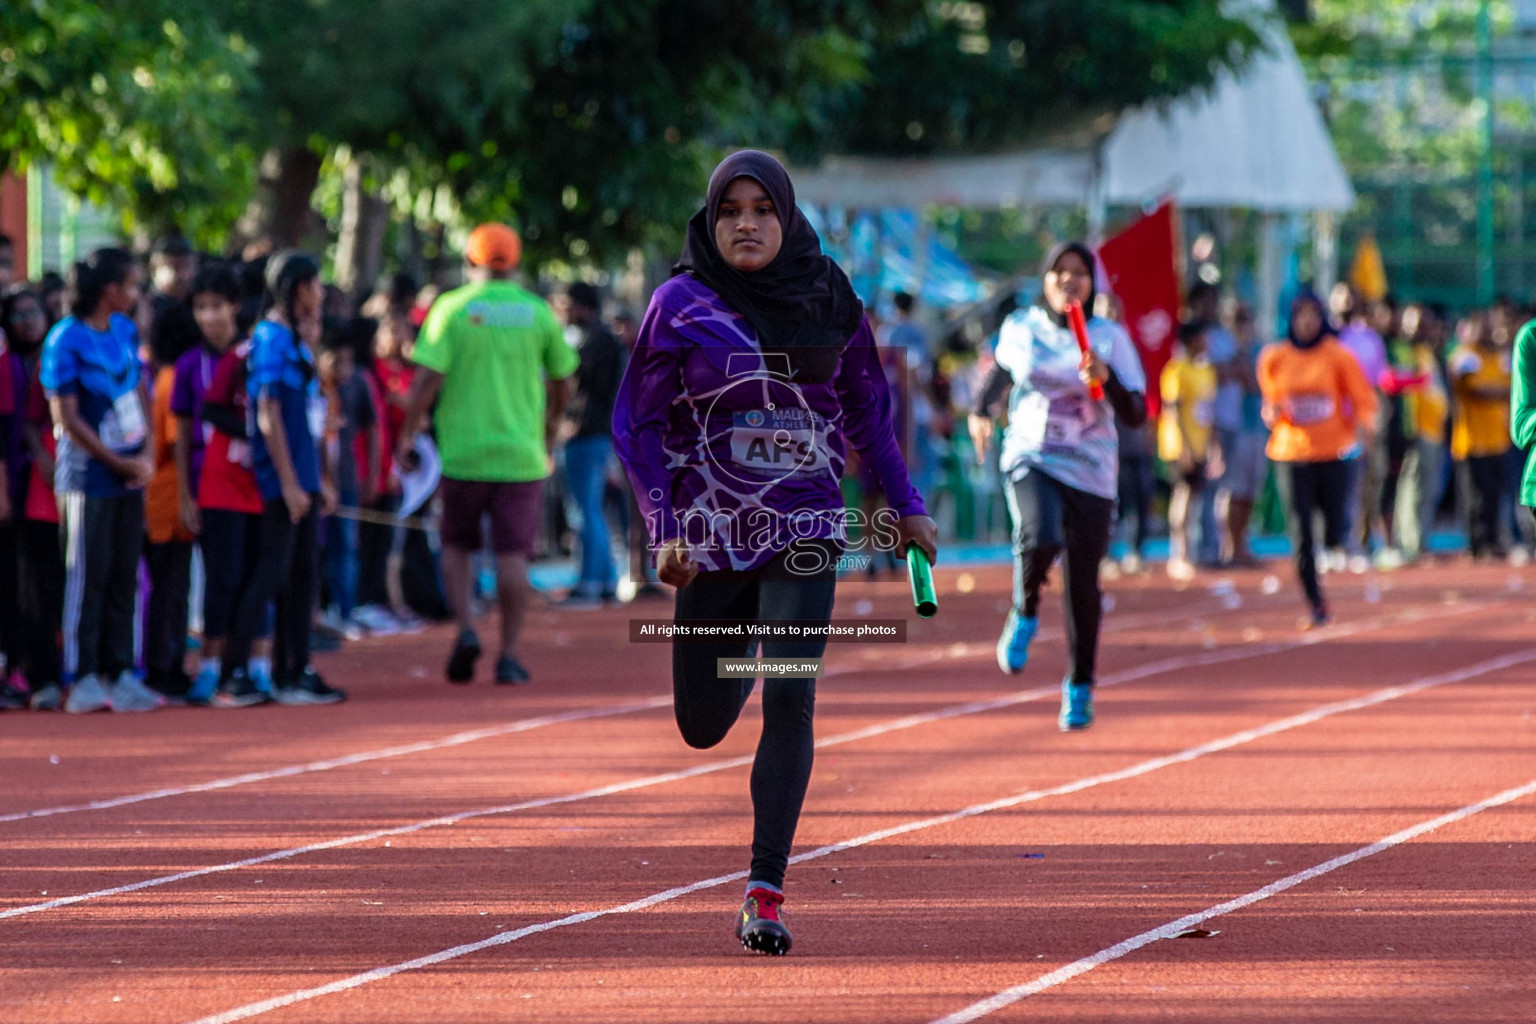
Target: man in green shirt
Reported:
[(493, 358)]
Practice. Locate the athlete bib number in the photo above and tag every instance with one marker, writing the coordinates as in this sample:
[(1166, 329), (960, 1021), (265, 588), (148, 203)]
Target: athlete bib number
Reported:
[(1304, 410), (122, 428), (1043, 423), (775, 441), (316, 412)]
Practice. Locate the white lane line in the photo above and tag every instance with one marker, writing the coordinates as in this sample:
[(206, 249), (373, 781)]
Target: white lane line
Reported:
[(1030, 796), (472, 736), (1061, 975), (456, 740), (906, 722)]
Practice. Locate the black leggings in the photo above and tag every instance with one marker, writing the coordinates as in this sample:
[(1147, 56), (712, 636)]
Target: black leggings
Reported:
[(230, 542), (40, 606), (707, 706), (10, 603), (1482, 483), (1050, 519), (286, 571), (1137, 483), (103, 538), (1312, 487), (374, 541), (170, 583)]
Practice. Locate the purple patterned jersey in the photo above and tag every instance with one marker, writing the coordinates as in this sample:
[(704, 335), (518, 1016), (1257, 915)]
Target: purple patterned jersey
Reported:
[(726, 451)]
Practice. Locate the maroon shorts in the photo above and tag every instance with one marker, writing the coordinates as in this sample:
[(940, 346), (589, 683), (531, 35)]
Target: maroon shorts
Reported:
[(514, 509)]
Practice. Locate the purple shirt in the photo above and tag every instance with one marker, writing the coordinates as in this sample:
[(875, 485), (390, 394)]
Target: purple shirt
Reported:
[(1368, 349), (729, 454), (194, 374)]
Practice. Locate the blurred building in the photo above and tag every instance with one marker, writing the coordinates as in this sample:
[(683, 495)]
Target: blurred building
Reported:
[(50, 228)]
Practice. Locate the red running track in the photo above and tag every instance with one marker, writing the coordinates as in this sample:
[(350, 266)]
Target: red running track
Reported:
[(555, 852)]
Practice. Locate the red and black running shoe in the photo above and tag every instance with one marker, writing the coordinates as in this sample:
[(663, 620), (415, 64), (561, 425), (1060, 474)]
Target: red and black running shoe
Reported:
[(759, 926)]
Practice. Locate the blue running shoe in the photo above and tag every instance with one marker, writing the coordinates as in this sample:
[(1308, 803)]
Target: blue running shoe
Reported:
[(1013, 645), (1076, 705), (201, 690)]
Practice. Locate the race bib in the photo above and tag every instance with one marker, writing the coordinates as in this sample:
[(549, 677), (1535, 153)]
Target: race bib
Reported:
[(1042, 423), (1064, 425), (1304, 410), (316, 412), (240, 453), (122, 428), (776, 441), (1205, 412)]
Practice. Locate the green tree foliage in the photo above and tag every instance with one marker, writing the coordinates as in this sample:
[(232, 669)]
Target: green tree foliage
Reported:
[(137, 104), (1399, 85), (590, 123), (631, 109), (421, 80), (1398, 81), (978, 75)]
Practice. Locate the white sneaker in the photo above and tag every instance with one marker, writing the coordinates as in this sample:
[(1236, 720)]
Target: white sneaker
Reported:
[(410, 624), (376, 619), (129, 694), (87, 695)]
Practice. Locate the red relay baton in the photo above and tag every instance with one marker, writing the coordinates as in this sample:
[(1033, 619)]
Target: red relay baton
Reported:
[(1080, 331)]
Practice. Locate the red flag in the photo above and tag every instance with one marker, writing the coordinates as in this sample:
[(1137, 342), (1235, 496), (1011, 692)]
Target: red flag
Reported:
[(1141, 263)]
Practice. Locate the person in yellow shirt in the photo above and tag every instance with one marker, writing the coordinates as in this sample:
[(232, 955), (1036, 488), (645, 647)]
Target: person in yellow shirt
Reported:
[(1318, 406), (1426, 412), (1478, 371), (1188, 388)]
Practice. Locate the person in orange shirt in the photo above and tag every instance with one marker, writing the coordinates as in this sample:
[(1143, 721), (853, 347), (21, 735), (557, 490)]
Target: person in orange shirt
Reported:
[(168, 553), (1317, 403)]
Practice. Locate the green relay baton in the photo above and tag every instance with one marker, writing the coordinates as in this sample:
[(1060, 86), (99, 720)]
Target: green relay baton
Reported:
[(920, 573)]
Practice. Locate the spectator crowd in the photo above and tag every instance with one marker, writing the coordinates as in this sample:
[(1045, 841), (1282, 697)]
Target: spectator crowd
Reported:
[(204, 462)]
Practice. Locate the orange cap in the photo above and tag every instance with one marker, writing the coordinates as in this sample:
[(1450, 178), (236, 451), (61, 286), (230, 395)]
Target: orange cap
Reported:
[(494, 245)]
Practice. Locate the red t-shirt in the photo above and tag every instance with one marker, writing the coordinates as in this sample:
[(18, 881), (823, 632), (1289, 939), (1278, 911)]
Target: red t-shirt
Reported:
[(42, 507), (228, 482), (360, 442), (395, 382)]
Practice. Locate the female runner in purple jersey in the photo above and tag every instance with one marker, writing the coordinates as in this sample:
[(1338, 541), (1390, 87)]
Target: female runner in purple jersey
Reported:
[(754, 370)]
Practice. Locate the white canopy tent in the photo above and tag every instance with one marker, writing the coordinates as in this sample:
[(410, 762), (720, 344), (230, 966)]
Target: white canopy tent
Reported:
[(1254, 141)]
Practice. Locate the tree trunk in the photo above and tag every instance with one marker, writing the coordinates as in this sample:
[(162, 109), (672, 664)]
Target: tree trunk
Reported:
[(360, 249), (278, 214)]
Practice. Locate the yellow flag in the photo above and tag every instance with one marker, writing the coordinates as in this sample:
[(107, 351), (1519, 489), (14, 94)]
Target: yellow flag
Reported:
[(1369, 274)]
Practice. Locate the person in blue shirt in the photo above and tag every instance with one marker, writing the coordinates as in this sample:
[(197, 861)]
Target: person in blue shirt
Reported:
[(90, 372), (289, 430)]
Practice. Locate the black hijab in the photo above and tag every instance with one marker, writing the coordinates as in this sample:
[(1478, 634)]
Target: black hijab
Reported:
[(1322, 320), (1048, 264), (801, 304)]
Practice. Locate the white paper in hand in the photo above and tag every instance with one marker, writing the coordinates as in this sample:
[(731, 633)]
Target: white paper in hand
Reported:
[(417, 485)]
